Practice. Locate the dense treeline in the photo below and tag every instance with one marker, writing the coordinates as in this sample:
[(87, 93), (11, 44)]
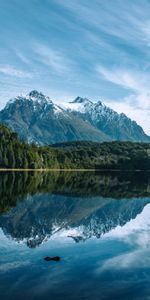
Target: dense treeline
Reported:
[(15, 153), (108, 155)]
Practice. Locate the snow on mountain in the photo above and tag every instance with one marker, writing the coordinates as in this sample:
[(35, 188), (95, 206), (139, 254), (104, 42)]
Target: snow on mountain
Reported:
[(79, 104), (117, 126), (36, 99), (95, 110), (36, 118)]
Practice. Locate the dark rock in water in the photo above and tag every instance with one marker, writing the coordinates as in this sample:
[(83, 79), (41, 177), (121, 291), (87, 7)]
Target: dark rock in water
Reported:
[(55, 258)]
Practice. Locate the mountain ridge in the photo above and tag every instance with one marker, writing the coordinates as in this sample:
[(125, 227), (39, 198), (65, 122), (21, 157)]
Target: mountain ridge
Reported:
[(36, 118), (117, 125)]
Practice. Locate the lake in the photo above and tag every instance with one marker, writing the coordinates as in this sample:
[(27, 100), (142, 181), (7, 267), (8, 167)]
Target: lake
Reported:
[(98, 223)]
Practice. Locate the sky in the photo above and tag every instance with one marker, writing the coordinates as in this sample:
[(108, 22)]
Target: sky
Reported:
[(96, 49)]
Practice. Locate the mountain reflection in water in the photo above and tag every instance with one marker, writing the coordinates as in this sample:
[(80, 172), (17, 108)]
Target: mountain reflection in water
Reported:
[(95, 217), (36, 205)]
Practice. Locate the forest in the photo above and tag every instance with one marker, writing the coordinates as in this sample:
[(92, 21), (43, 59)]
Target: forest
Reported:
[(16, 154)]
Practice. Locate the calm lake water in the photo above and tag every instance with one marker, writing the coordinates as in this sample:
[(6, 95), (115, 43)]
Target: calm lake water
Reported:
[(98, 224)]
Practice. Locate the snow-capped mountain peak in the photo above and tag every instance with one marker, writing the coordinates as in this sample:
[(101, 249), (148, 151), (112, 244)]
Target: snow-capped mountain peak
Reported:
[(84, 105), (37, 97), (79, 104), (37, 116), (117, 126), (37, 119)]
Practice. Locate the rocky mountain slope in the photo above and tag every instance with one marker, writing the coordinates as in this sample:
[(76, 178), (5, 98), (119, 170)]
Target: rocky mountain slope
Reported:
[(117, 126), (37, 119)]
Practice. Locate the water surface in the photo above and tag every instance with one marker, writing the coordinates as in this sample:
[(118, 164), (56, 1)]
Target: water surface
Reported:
[(98, 224)]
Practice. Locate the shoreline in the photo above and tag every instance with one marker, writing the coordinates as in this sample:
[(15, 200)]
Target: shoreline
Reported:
[(71, 170)]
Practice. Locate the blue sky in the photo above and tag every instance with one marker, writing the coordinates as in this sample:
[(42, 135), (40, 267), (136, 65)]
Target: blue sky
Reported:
[(64, 48)]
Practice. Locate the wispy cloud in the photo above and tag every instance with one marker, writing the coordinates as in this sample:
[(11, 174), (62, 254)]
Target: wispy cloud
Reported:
[(12, 71), (138, 99), (22, 57), (9, 266), (51, 58), (133, 232), (136, 234), (130, 106), (129, 260), (120, 19), (61, 42), (139, 93), (134, 80)]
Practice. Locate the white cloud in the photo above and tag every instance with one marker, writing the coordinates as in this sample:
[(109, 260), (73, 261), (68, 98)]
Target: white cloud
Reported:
[(135, 232), (137, 104), (12, 71), (132, 259), (140, 115), (131, 25), (9, 266), (52, 58), (22, 57), (137, 81)]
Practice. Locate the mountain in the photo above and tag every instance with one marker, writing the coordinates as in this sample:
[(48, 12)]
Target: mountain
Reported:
[(37, 119), (116, 126)]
